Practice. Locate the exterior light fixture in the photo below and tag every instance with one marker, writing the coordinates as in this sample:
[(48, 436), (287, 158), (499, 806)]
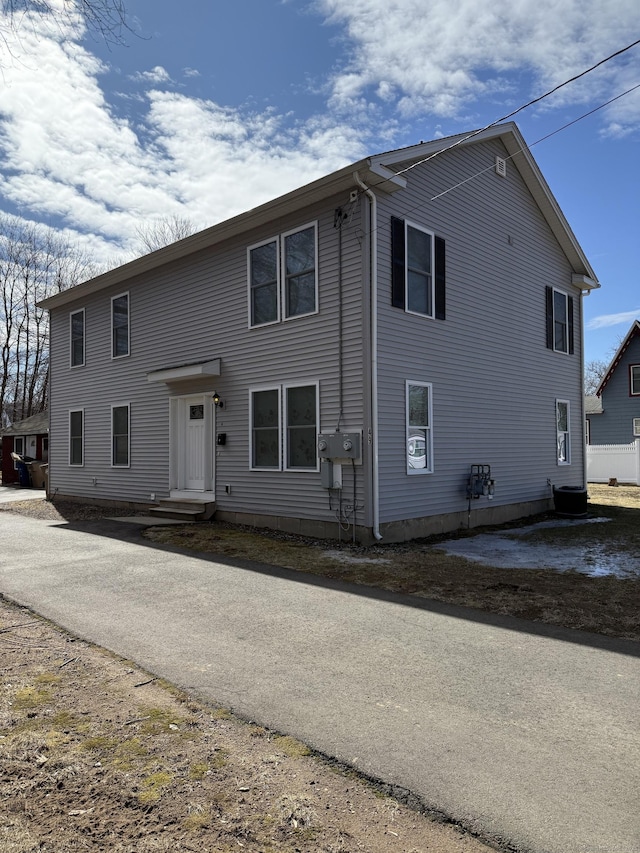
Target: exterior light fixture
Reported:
[(217, 401)]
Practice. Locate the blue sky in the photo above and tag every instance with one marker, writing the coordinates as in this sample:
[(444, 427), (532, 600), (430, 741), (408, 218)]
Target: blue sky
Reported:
[(207, 111)]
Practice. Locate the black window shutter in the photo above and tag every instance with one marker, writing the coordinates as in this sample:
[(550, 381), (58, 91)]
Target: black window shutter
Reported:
[(397, 262), (440, 282), (570, 323), (549, 315)]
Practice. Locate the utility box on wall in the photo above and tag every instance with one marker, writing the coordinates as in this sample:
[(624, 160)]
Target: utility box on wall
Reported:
[(340, 445)]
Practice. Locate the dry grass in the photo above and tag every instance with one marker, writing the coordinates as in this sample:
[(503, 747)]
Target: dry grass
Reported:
[(604, 605), (103, 764)]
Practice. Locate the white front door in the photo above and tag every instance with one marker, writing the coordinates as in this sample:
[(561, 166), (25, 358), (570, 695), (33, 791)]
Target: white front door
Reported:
[(192, 446)]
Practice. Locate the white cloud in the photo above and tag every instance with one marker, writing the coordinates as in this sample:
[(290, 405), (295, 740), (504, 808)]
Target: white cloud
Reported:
[(157, 75), (68, 158), (436, 56), (605, 321)]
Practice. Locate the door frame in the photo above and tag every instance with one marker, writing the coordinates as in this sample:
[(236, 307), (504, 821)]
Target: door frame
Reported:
[(178, 425)]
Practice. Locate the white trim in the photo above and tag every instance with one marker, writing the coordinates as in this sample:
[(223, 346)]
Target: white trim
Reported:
[(427, 428), (636, 427), (177, 442), (187, 371), (250, 249), (283, 272), (22, 440), (285, 424), (84, 334), (431, 235), (128, 352), (126, 406), (633, 393), (566, 433), (75, 464)]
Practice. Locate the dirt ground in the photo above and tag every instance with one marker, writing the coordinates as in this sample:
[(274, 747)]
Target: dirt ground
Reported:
[(97, 755)]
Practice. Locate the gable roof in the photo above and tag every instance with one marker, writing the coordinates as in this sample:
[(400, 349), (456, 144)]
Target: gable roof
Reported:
[(34, 425), (381, 172), (615, 361)]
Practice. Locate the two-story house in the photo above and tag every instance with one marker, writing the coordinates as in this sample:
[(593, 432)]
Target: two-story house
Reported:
[(613, 414), (392, 350)]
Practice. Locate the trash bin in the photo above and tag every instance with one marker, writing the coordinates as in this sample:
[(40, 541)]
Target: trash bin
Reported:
[(37, 475), (570, 501), (24, 477)]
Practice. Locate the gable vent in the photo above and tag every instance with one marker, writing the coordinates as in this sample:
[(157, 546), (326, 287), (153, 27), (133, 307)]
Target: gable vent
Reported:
[(501, 167)]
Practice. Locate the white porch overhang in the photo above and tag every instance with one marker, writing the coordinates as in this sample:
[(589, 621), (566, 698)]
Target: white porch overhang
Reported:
[(185, 372)]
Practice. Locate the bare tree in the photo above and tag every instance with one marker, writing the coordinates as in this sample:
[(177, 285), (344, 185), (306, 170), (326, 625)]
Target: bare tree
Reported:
[(35, 262), (594, 372), (105, 18), (162, 232)]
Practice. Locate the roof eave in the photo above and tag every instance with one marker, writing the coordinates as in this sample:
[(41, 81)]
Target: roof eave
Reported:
[(324, 187)]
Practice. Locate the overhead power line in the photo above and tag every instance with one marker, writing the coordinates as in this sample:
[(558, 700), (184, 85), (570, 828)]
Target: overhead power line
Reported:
[(538, 141), (521, 108)]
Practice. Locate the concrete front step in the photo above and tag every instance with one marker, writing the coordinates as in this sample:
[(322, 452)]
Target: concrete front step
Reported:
[(185, 509)]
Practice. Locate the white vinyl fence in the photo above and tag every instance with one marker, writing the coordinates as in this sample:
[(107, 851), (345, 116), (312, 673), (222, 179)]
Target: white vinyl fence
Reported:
[(621, 461)]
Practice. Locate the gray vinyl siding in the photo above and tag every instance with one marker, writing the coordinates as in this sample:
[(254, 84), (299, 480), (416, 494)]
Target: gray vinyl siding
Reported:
[(494, 381), (619, 408), (194, 311)]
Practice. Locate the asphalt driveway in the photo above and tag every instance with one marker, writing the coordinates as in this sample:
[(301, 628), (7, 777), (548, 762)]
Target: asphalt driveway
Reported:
[(525, 734)]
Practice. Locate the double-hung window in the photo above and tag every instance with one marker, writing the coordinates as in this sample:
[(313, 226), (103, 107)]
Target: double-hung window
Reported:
[(120, 325), (283, 277), (264, 284), (284, 428), (77, 338), (418, 270), (265, 428), (301, 419), (76, 437), (559, 319), (120, 431), (634, 379), (419, 427), (636, 427), (563, 440)]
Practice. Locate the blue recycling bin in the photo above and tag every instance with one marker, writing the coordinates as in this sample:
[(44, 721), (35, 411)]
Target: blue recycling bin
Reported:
[(24, 477)]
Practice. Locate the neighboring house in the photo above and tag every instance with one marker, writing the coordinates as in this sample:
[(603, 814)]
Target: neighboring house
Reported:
[(26, 438), (335, 361), (613, 415)]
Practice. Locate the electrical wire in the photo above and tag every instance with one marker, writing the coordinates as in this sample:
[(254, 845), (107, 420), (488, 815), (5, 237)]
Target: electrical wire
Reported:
[(520, 109), (537, 142)]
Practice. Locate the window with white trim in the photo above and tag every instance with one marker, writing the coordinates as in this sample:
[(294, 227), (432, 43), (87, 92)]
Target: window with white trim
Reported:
[(301, 420), (120, 325), (284, 427), (418, 270), (283, 277), (636, 427), (265, 429), (559, 320), (18, 447), (634, 379), (563, 424), (419, 427), (120, 436), (76, 437), (76, 321)]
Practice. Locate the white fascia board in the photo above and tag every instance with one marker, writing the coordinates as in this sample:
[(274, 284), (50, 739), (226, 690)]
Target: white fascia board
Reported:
[(186, 371)]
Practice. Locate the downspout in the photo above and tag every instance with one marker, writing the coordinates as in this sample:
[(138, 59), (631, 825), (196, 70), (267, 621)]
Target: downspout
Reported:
[(584, 417), (373, 242)]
